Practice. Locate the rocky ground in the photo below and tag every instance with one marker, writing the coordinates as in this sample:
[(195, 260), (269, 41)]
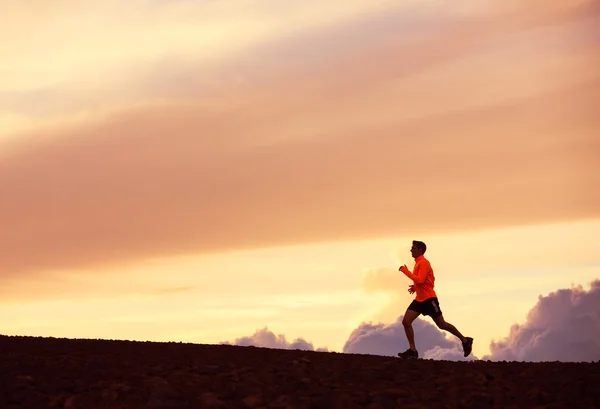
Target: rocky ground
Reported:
[(40, 373)]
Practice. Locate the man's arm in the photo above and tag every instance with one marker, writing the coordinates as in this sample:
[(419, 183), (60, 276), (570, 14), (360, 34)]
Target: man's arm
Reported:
[(422, 273)]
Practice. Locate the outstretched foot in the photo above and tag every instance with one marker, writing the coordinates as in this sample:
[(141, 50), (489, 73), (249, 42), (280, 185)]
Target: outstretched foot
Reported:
[(409, 354), (467, 346)]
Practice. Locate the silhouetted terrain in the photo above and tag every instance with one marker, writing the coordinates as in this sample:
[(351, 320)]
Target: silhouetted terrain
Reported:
[(42, 373)]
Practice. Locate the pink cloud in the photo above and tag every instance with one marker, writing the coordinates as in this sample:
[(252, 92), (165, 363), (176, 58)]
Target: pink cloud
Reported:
[(369, 338), (563, 326), (264, 338), (388, 340)]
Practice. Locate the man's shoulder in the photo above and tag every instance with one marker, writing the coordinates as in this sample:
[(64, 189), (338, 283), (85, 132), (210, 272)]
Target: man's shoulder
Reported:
[(424, 262)]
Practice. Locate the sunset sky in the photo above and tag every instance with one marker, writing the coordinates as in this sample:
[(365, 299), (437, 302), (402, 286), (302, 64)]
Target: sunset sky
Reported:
[(212, 171)]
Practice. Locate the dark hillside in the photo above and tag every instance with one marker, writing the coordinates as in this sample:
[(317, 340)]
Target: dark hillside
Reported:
[(40, 373)]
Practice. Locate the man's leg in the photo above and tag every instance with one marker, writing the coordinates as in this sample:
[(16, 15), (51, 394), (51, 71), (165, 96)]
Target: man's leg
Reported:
[(467, 342), (407, 321), (446, 326)]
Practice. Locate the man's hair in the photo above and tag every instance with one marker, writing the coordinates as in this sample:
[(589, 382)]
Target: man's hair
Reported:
[(420, 245)]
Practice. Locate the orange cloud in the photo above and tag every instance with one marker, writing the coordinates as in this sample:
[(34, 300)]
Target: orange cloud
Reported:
[(437, 132)]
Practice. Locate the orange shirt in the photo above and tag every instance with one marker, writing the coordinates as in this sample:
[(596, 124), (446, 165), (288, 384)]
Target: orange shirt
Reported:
[(423, 278)]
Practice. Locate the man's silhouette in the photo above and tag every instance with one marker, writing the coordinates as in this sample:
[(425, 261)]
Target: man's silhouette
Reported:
[(425, 302)]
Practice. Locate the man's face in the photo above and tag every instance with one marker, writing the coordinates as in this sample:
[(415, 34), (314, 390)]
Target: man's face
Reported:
[(415, 252)]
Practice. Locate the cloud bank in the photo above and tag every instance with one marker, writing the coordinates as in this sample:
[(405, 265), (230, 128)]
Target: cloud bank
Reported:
[(388, 340), (372, 339), (562, 326), (387, 336), (265, 338)]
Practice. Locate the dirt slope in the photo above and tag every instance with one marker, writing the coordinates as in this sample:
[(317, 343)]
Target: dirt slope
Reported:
[(40, 373)]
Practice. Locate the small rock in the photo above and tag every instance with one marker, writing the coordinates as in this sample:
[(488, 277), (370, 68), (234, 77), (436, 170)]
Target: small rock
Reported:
[(283, 401), (543, 396), (57, 401), (69, 402), (341, 401), (362, 398), (395, 392), (477, 401), (383, 401), (210, 369), (25, 378), (110, 394), (252, 401), (210, 400)]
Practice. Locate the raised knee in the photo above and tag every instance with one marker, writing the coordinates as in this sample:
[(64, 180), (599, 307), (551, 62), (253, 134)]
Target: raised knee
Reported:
[(406, 322)]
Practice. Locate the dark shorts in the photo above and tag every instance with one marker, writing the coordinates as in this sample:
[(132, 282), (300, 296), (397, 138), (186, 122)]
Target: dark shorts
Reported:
[(430, 306)]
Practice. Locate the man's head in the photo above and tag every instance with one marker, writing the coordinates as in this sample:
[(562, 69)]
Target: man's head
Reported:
[(418, 248)]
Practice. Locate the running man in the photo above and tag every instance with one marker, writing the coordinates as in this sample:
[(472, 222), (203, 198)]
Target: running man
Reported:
[(425, 302)]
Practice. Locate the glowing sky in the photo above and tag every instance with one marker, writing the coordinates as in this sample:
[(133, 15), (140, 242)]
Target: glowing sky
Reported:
[(195, 170)]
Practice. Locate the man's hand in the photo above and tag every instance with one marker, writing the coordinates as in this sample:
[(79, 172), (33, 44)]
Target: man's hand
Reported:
[(403, 268), (411, 289)]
